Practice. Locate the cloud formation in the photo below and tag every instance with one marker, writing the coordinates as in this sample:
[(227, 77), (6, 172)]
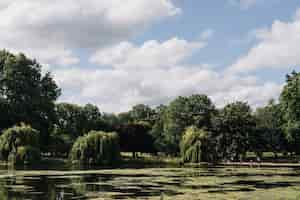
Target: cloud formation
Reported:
[(152, 54), (122, 73), (154, 73), (277, 47), (50, 30)]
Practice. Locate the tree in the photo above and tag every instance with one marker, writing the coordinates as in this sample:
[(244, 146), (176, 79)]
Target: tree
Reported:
[(92, 117), (234, 126), (110, 122), (290, 97), (96, 148), (269, 134), (135, 137), (160, 143), (142, 113), (20, 144), (75, 120), (26, 94), (69, 120), (72, 121), (197, 146), (290, 104), (183, 112)]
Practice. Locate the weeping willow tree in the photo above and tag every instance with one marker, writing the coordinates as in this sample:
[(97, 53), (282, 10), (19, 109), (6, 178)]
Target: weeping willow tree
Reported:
[(96, 148), (20, 144), (196, 146)]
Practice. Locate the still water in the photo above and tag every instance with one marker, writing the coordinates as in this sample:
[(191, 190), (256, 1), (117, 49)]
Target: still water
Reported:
[(151, 183)]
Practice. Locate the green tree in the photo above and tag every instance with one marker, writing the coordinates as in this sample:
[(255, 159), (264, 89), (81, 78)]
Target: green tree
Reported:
[(28, 95), (69, 120), (157, 130), (96, 148), (110, 122), (20, 144), (290, 97), (183, 112), (142, 113), (197, 146), (269, 134), (234, 126), (290, 104), (72, 121)]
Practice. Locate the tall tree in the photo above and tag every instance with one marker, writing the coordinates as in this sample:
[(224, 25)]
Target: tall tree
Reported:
[(28, 95), (290, 103), (74, 120), (143, 113), (269, 134), (234, 124), (194, 110)]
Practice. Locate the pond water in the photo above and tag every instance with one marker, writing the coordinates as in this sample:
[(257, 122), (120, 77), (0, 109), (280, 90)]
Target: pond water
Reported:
[(152, 183)]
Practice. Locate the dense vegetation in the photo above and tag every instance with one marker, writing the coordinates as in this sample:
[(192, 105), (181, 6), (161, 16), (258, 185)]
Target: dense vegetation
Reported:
[(96, 148), (20, 144), (190, 126), (195, 146)]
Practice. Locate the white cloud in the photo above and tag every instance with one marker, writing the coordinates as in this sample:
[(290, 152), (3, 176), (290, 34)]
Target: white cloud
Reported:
[(277, 48), (50, 30), (118, 88), (152, 54)]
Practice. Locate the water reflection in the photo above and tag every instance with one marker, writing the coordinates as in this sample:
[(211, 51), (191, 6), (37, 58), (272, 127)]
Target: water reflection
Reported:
[(152, 183)]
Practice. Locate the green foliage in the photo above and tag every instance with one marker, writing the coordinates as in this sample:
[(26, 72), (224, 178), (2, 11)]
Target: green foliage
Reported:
[(292, 130), (234, 125), (269, 135), (26, 94), (142, 113), (72, 121), (157, 130), (198, 145), (69, 120), (27, 155), (290, 104), (290, 97), (96, 148), (192, 144), (183, 112), (20, 144)]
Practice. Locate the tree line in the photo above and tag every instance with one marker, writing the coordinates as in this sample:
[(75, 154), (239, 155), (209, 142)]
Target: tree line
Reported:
[(189, 126)]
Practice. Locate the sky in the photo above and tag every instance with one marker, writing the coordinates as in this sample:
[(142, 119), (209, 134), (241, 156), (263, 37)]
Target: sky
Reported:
[(119, 53)]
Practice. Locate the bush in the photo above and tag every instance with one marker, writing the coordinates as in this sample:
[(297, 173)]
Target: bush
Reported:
[(26, 155), (195, 146), (96, 148), (16, 137)]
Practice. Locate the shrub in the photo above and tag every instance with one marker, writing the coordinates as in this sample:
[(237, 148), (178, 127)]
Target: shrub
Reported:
[(18, 136), (27, 155), (96, 148), (194, 145)]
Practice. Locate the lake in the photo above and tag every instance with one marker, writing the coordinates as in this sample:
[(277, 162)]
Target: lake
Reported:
[(152, 183)]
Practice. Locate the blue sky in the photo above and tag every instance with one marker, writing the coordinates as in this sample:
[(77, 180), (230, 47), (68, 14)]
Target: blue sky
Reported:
[(118, 53), (231, 25)]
